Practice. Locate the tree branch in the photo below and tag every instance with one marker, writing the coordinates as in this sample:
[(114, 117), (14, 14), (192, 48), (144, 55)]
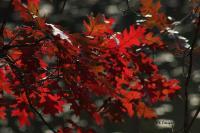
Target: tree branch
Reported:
[(63, 6), (5, 18), (38, 113), (127, 3), (20, 77), (186, 117), (193, 119)]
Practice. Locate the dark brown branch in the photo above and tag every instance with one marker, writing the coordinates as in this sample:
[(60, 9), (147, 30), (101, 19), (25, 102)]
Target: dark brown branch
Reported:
[(5, 18), (63, 6), (186, 117), (127, 3), (193, 119), (4, 49), (2, 27), (38, 113), (19, 75)]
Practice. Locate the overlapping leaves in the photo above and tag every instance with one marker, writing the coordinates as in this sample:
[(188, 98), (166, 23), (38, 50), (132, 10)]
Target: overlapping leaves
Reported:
[(48, 70)]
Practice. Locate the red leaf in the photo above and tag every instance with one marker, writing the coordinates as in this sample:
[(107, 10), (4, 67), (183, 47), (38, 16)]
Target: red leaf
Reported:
[(131, 38), (157, 18), (144, 111), (97, 118), (22, 10), (51, 104), (129, 107), (33, 6), (98, 26), (23, 116), (2, 113), (4, 83)]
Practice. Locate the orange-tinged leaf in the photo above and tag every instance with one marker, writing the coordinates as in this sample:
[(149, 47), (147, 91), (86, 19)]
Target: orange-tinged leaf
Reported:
[(155, 17), (2, 113), (144, 111), (153, 40), (97, 69), (8, 33), (132, 95), (129, 107), (33, 6), (98, 26), (15, 53)]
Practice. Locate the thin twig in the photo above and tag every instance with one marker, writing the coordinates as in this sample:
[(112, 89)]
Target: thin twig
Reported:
[(63, 6)]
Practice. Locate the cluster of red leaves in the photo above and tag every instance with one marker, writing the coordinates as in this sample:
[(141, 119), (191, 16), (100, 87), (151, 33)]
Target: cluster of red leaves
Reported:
[(155, 17), (44, 68)]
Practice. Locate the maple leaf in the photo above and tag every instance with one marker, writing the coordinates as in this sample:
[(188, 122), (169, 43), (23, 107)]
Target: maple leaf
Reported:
[(97, 118), (24, 13), (171, 86), (15, 53), (153, 15), (2, 113), (97, 69), (23, 116), (33, 6), (4, 83), (130, 38), (144, 111), (97, 61), (49, 49), (154, 41), (51, 104), (94, 87), (8, 33), (129, 107), (98, 26)]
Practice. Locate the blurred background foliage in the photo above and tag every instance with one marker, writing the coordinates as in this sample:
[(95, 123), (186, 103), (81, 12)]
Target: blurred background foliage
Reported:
[(70, 15)]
